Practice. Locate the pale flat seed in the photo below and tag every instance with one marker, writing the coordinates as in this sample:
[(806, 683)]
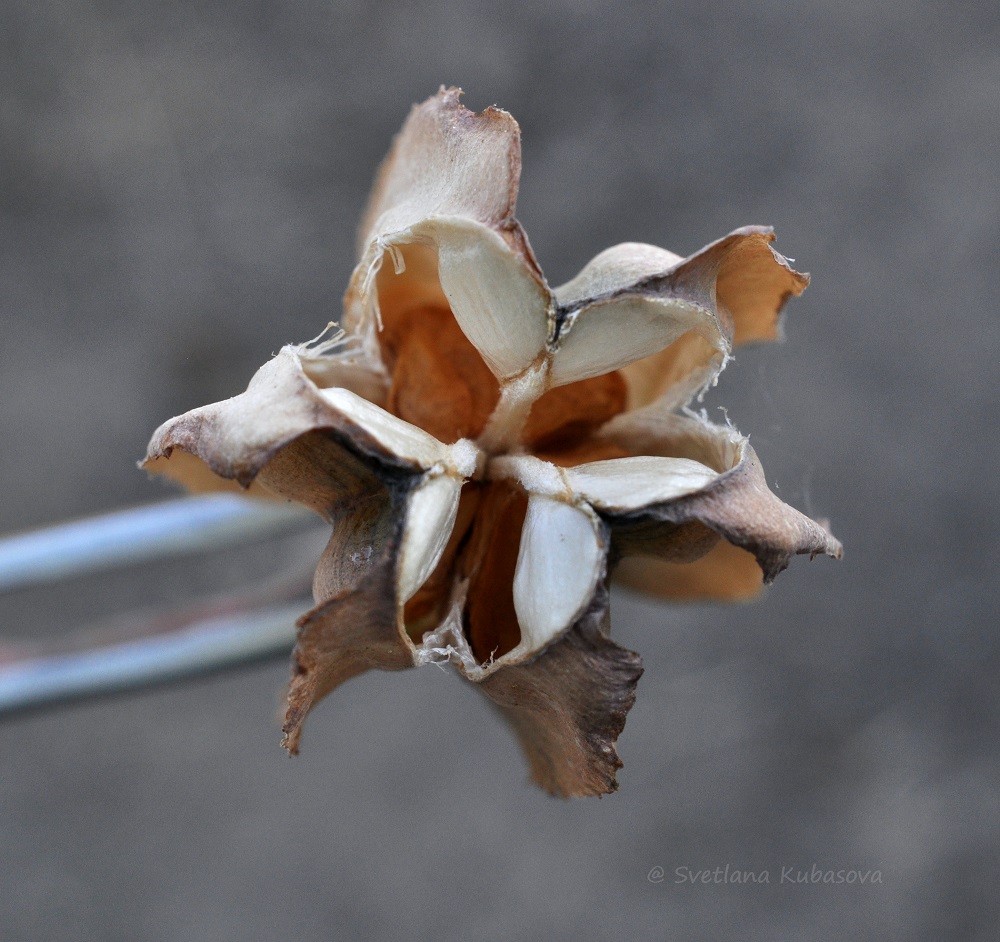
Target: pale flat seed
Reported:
[(430, 517), (628, 484), (557, 569), (500, 307), (401, 438)]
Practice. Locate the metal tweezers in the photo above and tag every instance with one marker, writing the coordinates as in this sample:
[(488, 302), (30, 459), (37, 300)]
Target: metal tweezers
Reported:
[(225, 632)]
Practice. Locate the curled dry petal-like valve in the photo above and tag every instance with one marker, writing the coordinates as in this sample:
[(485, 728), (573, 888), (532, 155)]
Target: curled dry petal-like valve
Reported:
[(488, 450)]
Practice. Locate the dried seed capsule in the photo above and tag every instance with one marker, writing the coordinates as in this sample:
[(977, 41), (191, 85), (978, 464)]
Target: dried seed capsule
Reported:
[(487, 449)]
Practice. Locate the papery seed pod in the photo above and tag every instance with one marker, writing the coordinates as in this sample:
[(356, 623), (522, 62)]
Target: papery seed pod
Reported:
[(487, 450)]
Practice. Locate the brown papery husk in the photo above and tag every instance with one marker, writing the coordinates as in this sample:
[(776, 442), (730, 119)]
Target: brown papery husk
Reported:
[(439, 381), (564, 416), (490, 622), (724, 572), (567, 706)]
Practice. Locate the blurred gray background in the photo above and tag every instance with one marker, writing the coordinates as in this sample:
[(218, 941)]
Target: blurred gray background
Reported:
[(180, 184)]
